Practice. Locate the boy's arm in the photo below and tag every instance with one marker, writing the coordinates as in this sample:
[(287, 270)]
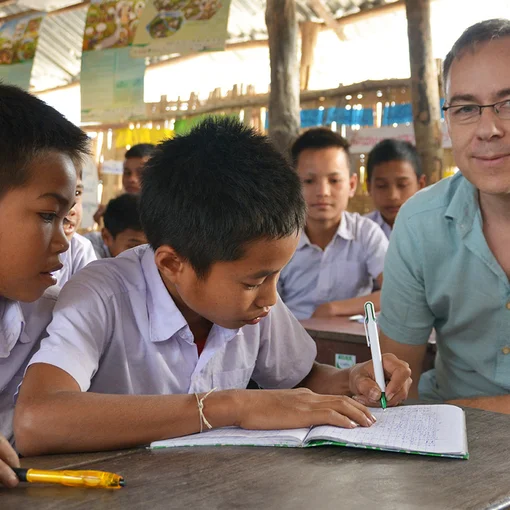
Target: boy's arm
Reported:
[(8, 459), (351, 306), (52, 415)]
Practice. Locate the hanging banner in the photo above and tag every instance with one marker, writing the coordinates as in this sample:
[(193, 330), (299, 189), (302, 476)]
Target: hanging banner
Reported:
[(111, 80), (18, 42), (181, 26)]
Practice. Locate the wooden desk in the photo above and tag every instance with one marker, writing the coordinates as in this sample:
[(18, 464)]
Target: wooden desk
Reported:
[(288, 478), (339, 335)]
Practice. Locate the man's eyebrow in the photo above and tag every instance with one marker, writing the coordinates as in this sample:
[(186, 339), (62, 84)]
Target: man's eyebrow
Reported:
[(58, 197), (458, 98)]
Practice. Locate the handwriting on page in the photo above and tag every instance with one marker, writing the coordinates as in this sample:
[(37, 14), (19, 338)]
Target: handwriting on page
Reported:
[(415, 428)]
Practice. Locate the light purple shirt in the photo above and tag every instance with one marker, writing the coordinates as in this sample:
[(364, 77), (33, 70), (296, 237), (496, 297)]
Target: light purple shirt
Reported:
[(116, 329), (377, 217), (80, 253), (22, 325), (347, 267)]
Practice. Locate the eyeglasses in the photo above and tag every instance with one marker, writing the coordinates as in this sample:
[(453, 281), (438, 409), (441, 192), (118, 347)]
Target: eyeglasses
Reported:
[(470, 113)]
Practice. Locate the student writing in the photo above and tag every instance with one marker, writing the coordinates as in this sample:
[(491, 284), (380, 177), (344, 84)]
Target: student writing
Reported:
[(134, 338)]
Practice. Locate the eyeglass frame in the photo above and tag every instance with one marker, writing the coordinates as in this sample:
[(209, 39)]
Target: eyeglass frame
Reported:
[(479, 106)]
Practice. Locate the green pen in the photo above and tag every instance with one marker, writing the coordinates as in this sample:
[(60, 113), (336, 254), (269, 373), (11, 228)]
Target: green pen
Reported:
[(375, 349)]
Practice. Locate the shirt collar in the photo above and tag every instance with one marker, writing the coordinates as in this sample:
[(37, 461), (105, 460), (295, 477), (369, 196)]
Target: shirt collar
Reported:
[(344, 230), (12, 324), (165, 319), (463, 205)]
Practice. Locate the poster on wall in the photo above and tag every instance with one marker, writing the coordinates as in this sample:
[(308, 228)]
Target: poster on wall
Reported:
[(181, 26), (18, 42), (111, 80)]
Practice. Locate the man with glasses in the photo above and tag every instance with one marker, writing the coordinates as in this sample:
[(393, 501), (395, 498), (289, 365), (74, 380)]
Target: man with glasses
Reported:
[(448, 264)]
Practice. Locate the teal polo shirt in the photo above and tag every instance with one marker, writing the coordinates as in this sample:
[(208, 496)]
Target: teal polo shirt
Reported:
[(440, 273)]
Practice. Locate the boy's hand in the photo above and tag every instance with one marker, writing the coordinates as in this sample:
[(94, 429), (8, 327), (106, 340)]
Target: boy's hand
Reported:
[(366, 391), (297, 408), (8, 458)]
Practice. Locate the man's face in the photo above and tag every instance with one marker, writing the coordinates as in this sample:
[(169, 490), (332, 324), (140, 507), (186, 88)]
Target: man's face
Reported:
[(132, 175), (124, 240), (72, 221), (31, 228), (392, 183), (482, 148), (327, 183), (237, 293)]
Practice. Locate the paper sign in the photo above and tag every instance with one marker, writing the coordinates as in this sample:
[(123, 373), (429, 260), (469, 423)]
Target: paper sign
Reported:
[(345, 360)]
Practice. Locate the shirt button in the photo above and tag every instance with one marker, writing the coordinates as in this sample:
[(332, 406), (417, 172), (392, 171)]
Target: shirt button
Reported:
[(508, 305), (505, 350)]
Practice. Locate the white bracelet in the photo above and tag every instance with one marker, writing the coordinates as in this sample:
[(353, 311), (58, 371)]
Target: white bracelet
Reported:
[(200, 404)]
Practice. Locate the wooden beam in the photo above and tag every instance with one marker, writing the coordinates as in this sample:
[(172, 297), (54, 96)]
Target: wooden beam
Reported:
[(323, 11), (365, 14), (424, 89), (309, 33), (284, 109)]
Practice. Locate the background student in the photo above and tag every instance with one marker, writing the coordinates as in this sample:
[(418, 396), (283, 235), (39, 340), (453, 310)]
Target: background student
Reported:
[(134, 161), (340, 255), (394, 174), (448, 266), (136, 340), (122, 228), (81, 252), (40, 152)]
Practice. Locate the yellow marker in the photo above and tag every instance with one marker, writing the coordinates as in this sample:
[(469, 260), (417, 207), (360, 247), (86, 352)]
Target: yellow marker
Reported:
[(93, 479)]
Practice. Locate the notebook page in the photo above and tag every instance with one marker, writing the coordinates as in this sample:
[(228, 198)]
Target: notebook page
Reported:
[(237, 436), (425, 428)]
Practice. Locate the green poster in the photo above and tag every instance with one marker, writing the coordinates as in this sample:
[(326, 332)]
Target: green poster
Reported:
[(18, 42), (181, 26), (111, 80)]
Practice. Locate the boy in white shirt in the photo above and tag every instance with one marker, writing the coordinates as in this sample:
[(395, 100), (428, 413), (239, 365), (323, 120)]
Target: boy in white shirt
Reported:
[(81, 252), (147, 344), (40, 152), (394, 175), (340, 255)]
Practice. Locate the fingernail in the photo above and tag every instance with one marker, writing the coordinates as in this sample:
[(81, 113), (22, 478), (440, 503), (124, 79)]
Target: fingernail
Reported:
[(389, 396), (12, 480), (353, 424), (374, 394), (369, 421), (374, 419)]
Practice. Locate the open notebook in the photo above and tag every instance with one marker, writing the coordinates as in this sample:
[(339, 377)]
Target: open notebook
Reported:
[(438, 430)]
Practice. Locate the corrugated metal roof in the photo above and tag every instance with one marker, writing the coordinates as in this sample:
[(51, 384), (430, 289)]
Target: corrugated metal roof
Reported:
[(58, 55)]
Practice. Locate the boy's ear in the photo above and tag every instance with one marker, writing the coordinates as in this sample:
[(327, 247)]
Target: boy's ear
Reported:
[(353, 184), (169, 263), (107, 237), (422, 181)]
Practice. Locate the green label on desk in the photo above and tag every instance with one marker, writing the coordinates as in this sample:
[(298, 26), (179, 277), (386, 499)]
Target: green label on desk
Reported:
[(345, 360)]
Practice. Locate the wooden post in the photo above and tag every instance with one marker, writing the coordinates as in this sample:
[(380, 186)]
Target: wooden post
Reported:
[(309, 33), (424, 89), (284, 117)]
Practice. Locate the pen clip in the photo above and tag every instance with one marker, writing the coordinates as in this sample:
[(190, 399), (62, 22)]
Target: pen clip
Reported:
[(369, 315)]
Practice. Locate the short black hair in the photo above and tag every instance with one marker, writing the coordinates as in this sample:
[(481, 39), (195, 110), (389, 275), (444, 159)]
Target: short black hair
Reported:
[(29, 128), (319, 138), (140, 150), (122, 213), (391, 149), (210, 192), (481, 32)]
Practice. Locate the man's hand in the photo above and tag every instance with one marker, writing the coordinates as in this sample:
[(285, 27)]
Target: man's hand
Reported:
[(8, 459), (398, 381), (297, 408)]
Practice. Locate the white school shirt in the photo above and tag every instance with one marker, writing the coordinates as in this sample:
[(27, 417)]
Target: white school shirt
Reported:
[(117, 330), (22, 325), (346, 269), (377, 217), (80, 253)]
